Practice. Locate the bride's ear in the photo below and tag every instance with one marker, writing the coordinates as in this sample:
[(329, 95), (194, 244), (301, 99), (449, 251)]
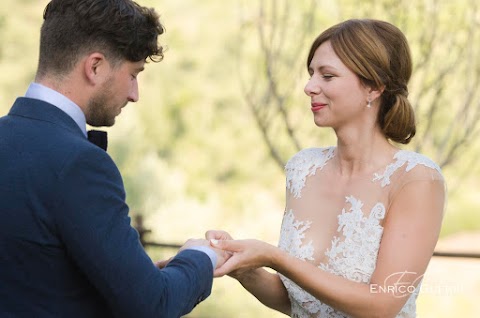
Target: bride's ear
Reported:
[(375, 93)]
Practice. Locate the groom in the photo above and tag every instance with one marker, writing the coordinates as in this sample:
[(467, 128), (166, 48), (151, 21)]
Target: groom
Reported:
[(67, 248)]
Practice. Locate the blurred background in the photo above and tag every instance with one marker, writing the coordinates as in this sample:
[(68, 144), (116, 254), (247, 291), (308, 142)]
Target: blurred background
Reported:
[(204, 148)]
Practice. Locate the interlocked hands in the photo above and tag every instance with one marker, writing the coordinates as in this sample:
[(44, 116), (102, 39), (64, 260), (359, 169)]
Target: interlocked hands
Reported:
[(245, 255), (234, 257)]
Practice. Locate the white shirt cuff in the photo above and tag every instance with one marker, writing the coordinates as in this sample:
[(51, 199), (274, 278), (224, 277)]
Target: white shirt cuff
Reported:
[(207, 250)]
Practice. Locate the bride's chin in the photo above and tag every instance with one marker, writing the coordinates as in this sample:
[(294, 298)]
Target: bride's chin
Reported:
[(321, 124)]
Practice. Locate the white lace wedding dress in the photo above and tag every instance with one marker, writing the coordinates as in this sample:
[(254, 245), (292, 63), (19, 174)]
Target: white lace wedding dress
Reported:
[(340, 230)]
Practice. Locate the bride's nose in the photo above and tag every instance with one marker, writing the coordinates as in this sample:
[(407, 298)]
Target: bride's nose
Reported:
[(312, 87)]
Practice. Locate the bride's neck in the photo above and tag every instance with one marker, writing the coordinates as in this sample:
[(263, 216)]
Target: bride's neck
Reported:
[(358, 154)]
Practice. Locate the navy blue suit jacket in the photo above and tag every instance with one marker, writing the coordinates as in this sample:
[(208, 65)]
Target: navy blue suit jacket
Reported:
[(67, 248)]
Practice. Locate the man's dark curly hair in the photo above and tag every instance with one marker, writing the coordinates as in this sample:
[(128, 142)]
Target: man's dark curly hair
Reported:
[(120, 29)]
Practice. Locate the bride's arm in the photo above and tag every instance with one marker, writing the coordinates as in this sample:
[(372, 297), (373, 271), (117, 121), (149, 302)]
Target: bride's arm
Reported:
[(265, 286), (411, 231)]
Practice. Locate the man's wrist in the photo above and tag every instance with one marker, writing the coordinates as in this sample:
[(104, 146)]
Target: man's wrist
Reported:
[(207, 250)]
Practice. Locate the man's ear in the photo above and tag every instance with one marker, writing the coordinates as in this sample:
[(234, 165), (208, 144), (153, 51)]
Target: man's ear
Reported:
[(95, 67)]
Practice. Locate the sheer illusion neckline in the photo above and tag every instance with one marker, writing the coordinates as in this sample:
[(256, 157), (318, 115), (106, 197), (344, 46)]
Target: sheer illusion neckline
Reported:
[(360, 173)]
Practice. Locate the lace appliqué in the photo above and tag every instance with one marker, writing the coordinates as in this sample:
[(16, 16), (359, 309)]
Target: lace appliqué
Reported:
[(403, 156), (292, 234), (355, 257), (304, 164)]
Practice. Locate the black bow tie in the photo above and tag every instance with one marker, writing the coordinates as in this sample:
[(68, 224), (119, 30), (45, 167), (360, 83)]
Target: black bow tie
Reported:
[(98, 138)]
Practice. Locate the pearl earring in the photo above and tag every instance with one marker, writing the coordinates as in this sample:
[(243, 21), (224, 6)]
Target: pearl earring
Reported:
[(369, 103)]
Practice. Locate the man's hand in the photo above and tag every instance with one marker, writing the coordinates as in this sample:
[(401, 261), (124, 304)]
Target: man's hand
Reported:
[(194, 242), (218, 235), (222, 255)]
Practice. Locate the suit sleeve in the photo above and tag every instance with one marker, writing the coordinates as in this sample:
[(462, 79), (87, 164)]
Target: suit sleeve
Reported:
[(92, 219)]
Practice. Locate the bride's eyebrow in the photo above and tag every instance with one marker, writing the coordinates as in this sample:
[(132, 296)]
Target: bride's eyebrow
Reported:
[(322, 69), (326, 68)]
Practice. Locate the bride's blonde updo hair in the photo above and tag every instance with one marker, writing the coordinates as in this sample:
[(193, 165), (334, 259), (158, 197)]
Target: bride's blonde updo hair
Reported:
[(378, 53)]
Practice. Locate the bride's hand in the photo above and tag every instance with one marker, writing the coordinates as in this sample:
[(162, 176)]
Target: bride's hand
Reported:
[(247, 255)]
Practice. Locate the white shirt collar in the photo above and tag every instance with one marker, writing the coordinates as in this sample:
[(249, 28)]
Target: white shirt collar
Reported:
[(43, 93)]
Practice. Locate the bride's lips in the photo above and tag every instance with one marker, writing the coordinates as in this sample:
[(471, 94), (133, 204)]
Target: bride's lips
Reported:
[(317, 106)]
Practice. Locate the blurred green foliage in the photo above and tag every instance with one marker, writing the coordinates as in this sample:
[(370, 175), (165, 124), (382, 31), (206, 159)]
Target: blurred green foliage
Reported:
[(190, 152)]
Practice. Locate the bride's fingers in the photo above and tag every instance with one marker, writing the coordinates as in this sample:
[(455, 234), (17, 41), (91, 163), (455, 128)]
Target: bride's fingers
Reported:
[(230, 246), (225, 269)]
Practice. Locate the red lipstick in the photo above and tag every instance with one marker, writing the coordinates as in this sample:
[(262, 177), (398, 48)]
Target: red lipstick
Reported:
[(317, 106)]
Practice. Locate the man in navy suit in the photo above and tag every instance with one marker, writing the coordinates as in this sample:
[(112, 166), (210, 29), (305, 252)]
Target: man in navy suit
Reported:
[(67, 248)]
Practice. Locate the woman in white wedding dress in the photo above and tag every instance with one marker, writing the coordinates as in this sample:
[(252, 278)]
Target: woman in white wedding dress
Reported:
[(362, 218)]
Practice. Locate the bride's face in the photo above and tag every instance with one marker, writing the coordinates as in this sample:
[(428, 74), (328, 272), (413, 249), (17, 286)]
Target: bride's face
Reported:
[(337, 95)]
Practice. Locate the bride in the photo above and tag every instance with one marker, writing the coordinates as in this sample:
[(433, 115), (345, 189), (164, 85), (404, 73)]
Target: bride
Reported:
[(362, 218)]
